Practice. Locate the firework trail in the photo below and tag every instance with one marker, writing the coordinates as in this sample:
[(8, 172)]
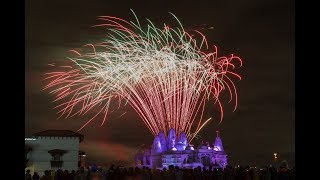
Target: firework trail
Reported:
[(165, 74)]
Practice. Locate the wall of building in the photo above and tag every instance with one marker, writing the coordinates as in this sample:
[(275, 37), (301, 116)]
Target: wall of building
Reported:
[(39, 158)]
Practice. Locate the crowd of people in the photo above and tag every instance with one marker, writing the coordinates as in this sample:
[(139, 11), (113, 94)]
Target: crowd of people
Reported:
[(172, 173)]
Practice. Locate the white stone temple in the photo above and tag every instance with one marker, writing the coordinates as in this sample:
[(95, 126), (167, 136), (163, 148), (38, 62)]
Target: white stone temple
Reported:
[(176, 151)]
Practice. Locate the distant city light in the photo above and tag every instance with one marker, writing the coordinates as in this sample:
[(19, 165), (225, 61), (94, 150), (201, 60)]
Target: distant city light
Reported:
[(275, 155)]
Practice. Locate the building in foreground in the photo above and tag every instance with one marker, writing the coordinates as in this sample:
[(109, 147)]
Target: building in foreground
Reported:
[(176, 151), (52, 150)]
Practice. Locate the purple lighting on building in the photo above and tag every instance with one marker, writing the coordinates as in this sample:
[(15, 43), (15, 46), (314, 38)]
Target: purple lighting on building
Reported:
[(172, 150)]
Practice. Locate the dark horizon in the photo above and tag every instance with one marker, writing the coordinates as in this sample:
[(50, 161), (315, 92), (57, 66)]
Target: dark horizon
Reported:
[(262, 34)]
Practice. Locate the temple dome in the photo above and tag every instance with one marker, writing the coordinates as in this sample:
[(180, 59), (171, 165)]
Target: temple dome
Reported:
[(183, 138), (180, 146), (157, 144), (163, 141)]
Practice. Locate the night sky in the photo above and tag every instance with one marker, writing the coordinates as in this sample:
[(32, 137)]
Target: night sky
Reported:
[(261, 33)]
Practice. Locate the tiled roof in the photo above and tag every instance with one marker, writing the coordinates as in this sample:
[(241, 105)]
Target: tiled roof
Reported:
[(59, 133)]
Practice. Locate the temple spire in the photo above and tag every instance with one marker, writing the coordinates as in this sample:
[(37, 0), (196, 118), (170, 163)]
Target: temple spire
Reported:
[(218, 143)]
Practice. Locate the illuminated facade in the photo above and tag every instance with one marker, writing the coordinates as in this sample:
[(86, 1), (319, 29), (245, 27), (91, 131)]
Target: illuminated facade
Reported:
[(52, 150), (172, 150)]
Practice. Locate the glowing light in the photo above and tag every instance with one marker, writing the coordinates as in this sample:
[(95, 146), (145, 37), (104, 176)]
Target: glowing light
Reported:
[(30, 139), (275, 155), (165, 74), (174, 149)]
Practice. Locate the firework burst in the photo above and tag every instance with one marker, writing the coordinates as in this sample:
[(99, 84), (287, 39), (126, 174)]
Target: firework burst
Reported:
[(165, 74)]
